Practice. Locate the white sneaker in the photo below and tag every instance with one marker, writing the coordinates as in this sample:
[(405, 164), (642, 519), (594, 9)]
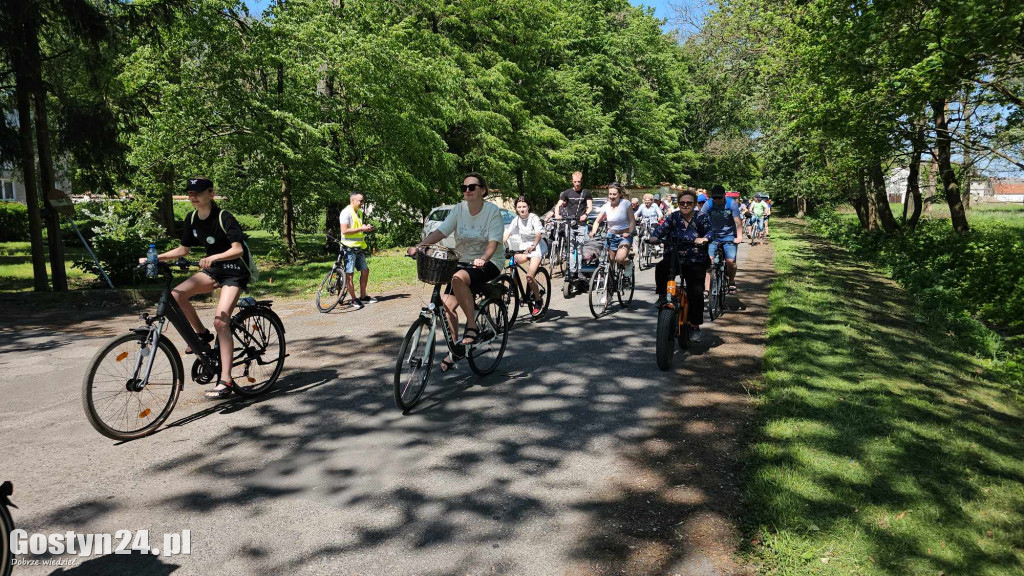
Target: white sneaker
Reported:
[(604, 300)]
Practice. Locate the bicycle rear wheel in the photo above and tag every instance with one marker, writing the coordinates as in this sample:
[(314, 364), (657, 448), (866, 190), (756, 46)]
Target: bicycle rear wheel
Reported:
[(492, 324), (115, 403), (412, 369), (598, 294), (543, 280), (713, 300), (259, 350)]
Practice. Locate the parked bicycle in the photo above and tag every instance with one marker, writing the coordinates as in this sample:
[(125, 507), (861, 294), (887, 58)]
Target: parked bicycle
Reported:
[(436, 265), (610, 278), (6, 527), (716, 296), (334, 288), (557, 232), (133, 383), (518, 292), (672, 325)]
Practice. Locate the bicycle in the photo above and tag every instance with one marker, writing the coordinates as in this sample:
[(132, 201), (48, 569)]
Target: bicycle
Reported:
[(436, 265), (6, 527), (673, 313), (645, 251), (557, 233), (132, 384), (716, 296), (758, 230), (518, 292), (334, 288), (574, 250), (609, 277)]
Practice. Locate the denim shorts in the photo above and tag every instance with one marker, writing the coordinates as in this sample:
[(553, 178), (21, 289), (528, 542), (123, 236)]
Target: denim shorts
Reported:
[(727, 245), (355, 260), (617, 241)]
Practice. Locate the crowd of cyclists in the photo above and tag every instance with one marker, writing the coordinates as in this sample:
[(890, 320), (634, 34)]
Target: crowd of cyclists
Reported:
[(706, 220)]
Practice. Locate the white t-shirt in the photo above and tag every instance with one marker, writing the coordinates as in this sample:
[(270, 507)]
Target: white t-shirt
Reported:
[(617, 216), (472, 233), (522, 232)]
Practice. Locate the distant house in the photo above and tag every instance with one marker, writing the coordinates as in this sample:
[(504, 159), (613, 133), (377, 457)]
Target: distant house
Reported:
[(10, 189), (1007, 190), (896, 186)]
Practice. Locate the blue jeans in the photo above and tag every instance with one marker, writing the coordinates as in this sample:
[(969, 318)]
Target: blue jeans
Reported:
[(727, 245), (355, 261), (579, 233)]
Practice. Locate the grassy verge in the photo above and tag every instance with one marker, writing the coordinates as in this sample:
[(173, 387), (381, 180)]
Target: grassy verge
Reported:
[(881, 451), (16, 267)]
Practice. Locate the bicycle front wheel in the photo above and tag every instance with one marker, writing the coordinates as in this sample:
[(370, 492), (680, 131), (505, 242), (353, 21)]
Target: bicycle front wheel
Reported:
[(412, 369), (492, 325), (665, 344), (543, 280), (119, 401), (259, 350), (626, 283), (599, 291), (713, 301), (511, 296), (331, 291)]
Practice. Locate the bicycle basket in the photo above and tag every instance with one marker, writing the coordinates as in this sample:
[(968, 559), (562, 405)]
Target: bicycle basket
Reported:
[(436, 264)]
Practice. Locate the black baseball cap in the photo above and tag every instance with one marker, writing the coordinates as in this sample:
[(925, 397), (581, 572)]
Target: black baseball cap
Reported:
[(717, 191), (198, 184)]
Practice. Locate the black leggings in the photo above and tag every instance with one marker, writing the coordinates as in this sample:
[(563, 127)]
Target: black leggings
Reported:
[(693, 274)]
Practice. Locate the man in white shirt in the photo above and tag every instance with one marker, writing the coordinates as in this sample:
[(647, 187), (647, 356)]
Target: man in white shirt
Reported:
[(353, 232)]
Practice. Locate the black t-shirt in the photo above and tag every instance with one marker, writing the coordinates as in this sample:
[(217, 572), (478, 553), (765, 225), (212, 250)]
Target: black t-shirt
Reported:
[(576, 203), (209, 234)]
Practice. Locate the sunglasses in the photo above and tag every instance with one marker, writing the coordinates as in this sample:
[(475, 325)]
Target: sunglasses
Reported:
[(685, 203), (470, 187)]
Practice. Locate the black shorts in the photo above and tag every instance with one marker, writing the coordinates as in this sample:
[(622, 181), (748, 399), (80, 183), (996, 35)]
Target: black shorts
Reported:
[(228, 277), (479, 277)]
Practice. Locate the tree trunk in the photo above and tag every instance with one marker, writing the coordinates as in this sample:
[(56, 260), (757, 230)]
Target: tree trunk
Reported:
[(861, 205), (933, 185), (46, 178), (880, 199), (801, 206), (23, 88), (943, 146), (913, 194)]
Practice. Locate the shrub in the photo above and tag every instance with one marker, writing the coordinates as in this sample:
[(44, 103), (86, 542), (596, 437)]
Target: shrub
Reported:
[(122, 234), (13, 222)]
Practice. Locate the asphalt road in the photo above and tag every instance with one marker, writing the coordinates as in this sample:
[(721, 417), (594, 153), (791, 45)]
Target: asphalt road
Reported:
[(577, 456)]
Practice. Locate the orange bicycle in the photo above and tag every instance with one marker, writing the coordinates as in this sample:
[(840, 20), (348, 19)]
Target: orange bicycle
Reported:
[(672, 324)]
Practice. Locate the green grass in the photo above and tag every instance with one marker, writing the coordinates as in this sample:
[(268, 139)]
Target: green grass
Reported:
[(16, 267), (389, 269), (879, 450)]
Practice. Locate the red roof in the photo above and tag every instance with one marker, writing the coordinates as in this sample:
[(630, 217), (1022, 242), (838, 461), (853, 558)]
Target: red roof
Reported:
[(1008, 187)]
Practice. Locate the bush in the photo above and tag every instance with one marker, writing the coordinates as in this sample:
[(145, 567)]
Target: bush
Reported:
[(13, 222), (959, 279), (246, 221), (122, 234)]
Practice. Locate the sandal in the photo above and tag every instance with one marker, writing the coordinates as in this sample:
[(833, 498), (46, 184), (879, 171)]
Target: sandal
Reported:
[(706, 294), (216, 394), (733, 289), (448, 363), (206, 336), (475, 335)]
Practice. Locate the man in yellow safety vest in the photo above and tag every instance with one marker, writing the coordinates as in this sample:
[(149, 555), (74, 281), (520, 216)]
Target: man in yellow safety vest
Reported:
[(353, 237)]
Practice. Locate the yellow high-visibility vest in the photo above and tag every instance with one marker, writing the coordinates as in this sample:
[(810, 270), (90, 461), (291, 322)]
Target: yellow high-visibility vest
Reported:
[(355, 239)]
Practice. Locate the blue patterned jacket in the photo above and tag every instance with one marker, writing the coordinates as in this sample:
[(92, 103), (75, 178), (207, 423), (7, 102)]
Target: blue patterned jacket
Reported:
[(699, 227)]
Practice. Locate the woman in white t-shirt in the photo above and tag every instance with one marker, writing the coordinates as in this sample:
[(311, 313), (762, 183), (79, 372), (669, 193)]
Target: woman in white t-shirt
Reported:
[(621, 223), (478, 228), (524, 235)]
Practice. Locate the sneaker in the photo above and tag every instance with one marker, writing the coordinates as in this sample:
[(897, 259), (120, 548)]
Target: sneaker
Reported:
[(695, 334), (369, 300), (357, 303)]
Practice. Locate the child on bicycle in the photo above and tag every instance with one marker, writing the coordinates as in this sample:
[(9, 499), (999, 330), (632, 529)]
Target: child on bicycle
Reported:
[(479, 229), (224, 267)]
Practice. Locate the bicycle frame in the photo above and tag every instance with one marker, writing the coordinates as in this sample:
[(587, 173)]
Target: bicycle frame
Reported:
[(677, 294)]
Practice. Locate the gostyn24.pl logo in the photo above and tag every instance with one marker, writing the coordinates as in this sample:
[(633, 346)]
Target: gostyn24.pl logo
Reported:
[(25, 545)]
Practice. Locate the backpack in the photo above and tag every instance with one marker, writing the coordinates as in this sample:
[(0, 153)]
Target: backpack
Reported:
[(247, 259)]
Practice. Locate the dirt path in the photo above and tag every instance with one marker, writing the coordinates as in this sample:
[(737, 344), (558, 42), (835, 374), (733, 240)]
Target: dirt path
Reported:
[(676, 508)]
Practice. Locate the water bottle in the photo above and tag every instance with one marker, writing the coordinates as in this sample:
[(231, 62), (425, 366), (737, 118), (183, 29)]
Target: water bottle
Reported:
[(151, 261)]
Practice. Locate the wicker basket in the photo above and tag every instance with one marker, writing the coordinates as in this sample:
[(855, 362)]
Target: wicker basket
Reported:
[(436, 264)]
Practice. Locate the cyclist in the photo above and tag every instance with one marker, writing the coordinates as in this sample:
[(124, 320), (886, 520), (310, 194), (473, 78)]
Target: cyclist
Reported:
[(663, 206), (353, 236), (758, 211), (649, 212), (634, 204), (767, 215), (575, 204), (686, 224), (528, 231), (621, 225), (702, 198), (725, 220), (223, 267), (478, 228)]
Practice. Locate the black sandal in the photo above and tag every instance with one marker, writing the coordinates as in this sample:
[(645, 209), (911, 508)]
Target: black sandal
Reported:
[(222, 393), (448, 365), (205, 337), (475, 336)]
